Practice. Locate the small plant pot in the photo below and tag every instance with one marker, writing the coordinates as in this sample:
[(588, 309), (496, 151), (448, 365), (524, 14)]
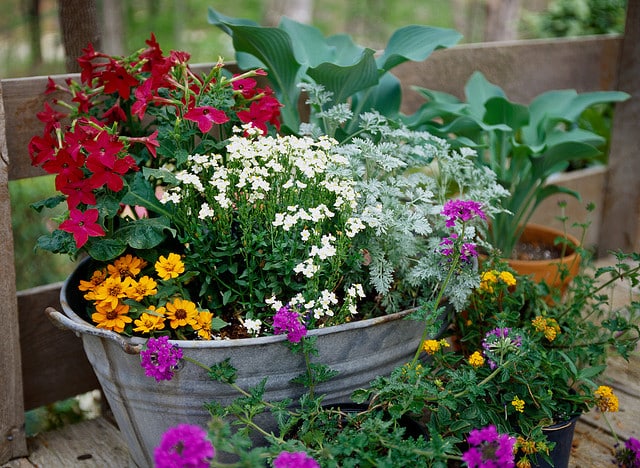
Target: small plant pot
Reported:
[(562, 435), (556, 272)]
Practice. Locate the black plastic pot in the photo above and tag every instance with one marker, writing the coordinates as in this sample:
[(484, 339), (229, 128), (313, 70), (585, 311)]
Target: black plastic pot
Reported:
[(562, 435)]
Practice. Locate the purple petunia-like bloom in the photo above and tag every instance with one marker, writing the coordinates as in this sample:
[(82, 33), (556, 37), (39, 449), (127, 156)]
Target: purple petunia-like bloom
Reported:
[(489, 449), (288, 321), (294, 460), (462, 210), (160, 358), (185, 445)]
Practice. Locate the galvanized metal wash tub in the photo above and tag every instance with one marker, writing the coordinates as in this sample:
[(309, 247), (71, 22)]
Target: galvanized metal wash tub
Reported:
[(144, 409)]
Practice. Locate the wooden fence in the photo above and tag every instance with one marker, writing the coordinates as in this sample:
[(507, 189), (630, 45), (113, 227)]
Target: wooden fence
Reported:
[(40, 364)]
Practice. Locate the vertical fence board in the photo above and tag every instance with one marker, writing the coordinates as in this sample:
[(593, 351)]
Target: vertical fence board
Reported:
[(12, 435), (621, 217)]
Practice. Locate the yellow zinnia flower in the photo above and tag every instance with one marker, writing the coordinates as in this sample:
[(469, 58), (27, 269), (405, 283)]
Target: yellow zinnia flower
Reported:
[(204, 324), (112, 318), (148, 323), (145, 286), (170, 266), (110, 291), (181, 313), (127, 265), (97, 278)]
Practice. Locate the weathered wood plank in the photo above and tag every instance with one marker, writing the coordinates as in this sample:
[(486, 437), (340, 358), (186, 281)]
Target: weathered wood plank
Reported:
[(54, 365), (89, 444), (622, 198), (523, 69), (12, 437)]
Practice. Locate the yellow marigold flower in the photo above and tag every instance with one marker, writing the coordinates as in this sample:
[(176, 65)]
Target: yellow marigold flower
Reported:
[(97, 277), (606, 400), (518, 404), (148, 323), (127, 265), (548, 326), (487, 280), (110, 291), (433, 346), (112, 319), (507, 278), (182, 312), (203, 325), (476, 359), (170, 266), (145, 286)]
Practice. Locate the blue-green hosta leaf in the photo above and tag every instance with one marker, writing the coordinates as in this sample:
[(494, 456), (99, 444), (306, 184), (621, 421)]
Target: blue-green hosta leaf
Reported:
[(501, 111), (274, 49), (345, 81), (478, 91), (145, 233), (558, 155), (385, 98), (309, 45), (415, 43)]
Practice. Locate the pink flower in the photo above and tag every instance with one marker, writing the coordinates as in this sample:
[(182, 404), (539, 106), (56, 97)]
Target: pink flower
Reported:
[(185, 445), (294, 460), (205, 117), (82, 225)]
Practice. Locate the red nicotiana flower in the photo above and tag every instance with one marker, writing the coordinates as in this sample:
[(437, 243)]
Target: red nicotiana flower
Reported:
[(206, 116), (42, 148), (78, 190), (82, 225), (261, 112), (86, 64), (103, 145), (116, 78), (109, 169), (50, 117), (247, 86)]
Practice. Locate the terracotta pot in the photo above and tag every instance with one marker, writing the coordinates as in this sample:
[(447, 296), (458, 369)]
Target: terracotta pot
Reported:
[(548, 271)]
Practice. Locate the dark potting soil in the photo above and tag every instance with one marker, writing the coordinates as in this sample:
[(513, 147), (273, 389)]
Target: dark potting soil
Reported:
[(535, 251)]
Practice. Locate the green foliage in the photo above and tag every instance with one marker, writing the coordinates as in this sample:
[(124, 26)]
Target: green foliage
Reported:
[(577, 18), (523, 145), (294, 53)]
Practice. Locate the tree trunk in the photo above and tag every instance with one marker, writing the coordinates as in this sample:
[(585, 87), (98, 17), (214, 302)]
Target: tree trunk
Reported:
[(79, 25), (32, 8), (298, 10), (502, 20), (113, 32)]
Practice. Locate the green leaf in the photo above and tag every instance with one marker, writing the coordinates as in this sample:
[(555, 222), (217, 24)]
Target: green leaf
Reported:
[(50, 202), (105, 250), (160, 174), (478, 91), (345, 81), (142, 193), (144, 233), (218, 324), (501, 111), (415, 43)]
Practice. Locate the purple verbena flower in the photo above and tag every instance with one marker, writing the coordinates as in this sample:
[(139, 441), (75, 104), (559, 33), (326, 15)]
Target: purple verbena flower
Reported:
[(447, 245), (462, 210), (468, 251), (629, 456), (498, 342), (294, 460), (489, 449), (185, 445), (288, 321), (160, 358)]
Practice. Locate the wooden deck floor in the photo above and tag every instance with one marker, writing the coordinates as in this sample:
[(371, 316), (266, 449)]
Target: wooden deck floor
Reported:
[(97, 443)]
